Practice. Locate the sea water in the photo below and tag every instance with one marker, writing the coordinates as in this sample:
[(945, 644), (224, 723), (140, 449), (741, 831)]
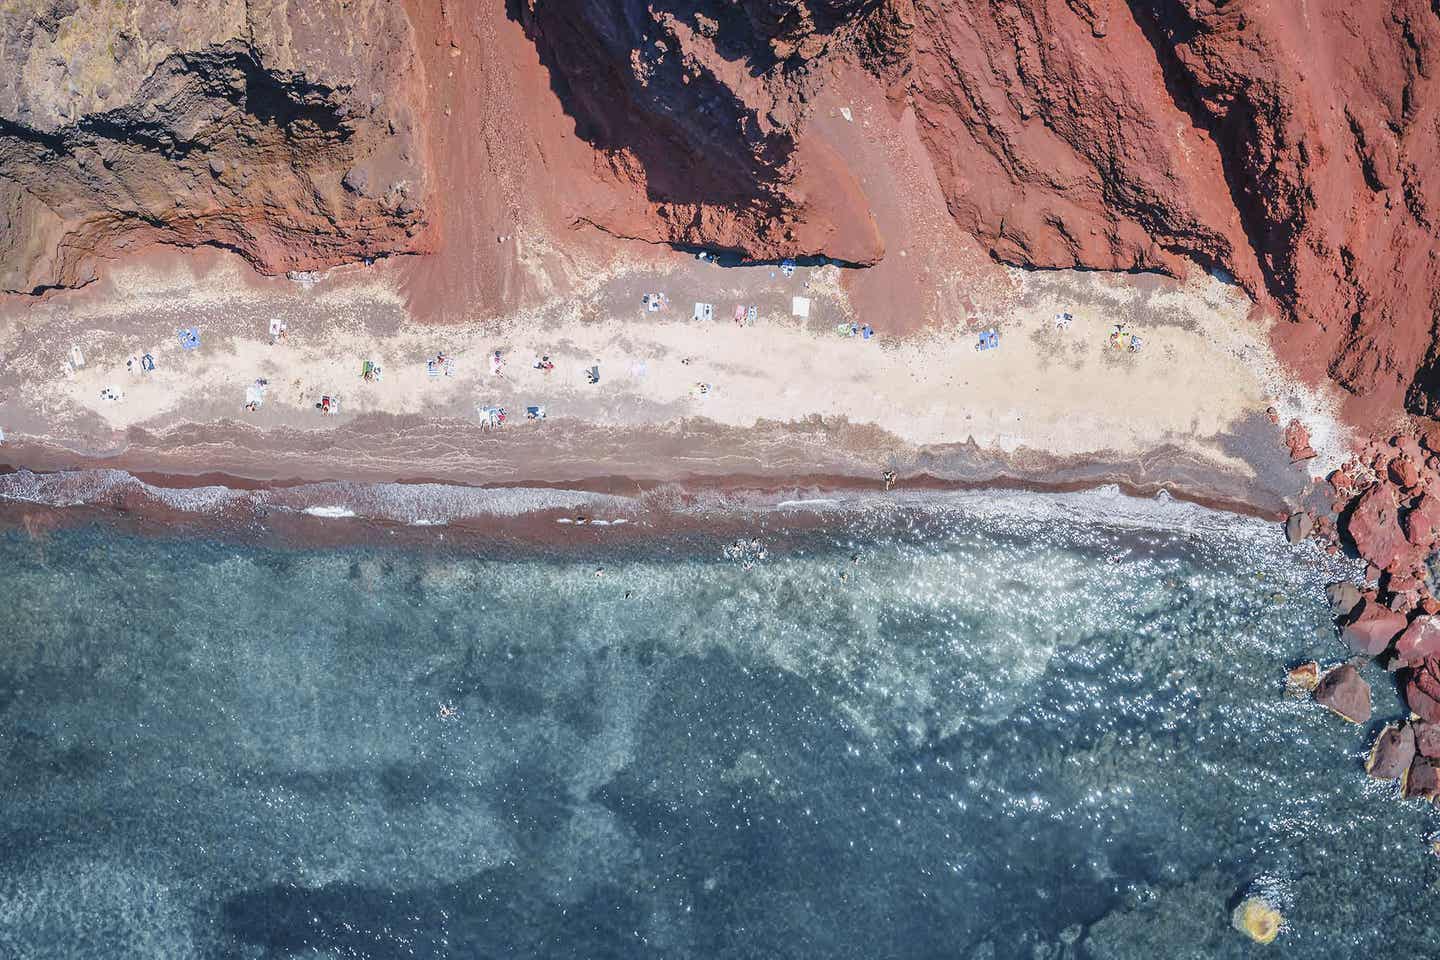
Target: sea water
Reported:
[(1004, 726)]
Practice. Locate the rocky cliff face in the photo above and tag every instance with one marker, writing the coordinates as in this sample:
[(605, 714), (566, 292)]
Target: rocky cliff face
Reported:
[(1291, 147), (284, 131), (698, 109)]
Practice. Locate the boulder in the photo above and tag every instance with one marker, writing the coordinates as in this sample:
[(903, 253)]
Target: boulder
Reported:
[(1344, 692), (1374, 525), (1420, 640), (1404, 473), (1371, 628), (1422, 523), (1392, 752), (1427, 738), (1422, 780), (1298, 526), (1420, 685)]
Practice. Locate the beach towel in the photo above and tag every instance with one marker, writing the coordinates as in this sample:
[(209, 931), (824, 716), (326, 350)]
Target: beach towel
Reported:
[(535, 413), (752, 315), (277, 327), (432, 368), (703, 311), (255, 393), (866, 332), (147, 362), (800, 306), (787, 267), (739, 314), (189, 338), (77, 359)]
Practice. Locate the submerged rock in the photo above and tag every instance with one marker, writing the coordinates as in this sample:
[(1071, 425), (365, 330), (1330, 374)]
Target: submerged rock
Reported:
[(1345, 693), (1302, 679), (1392, 753), (1258, 920), (1372, 628), (1298, 526)]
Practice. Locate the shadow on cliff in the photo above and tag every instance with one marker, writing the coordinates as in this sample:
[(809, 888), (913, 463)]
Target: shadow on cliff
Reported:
[(1166, 27), (696, 139)]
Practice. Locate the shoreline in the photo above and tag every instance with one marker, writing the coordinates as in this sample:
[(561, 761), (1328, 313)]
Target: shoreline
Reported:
[(419, 512)]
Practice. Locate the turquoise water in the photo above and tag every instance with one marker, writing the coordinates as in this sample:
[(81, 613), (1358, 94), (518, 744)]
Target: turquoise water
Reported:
[(1014, 729)]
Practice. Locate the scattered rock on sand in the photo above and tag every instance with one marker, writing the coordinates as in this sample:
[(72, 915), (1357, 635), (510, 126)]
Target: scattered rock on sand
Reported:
[(1392, 752), (1421, 780), (1297, 439), (1344, 692), (1421, 685), (1371, 628), (1298, 526), (1344, 597)]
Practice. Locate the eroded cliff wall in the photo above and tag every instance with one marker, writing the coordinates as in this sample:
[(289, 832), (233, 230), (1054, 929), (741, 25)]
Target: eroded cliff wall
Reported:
[(284, 131), (1293, 147)]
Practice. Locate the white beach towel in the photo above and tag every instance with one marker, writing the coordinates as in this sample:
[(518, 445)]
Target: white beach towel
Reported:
[(800, 306)]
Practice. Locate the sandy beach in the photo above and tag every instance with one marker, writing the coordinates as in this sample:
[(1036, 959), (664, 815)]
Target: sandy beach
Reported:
[(780, 398)]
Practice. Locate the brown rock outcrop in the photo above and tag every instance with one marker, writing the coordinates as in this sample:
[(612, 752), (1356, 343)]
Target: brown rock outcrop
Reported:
[(282, 130)]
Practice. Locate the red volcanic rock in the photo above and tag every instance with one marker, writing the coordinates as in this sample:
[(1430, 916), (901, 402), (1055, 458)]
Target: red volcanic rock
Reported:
[(1371, 629), (1422, 523), (1420, 685), (1404, 473), (1392, 752), (1344, 692), (1297, 440), (1427, 738), (1374, 525), (1341, 481), (1420, 640), (1422, 780)]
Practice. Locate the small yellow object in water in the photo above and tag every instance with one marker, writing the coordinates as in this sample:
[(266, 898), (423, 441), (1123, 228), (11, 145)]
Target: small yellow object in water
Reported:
[(1257, 920)]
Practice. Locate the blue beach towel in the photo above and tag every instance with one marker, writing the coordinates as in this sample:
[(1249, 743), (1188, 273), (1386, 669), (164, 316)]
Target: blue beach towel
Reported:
[(189, 338)]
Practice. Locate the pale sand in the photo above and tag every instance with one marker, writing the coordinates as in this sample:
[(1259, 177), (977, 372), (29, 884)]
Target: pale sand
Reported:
[(1205, 370)]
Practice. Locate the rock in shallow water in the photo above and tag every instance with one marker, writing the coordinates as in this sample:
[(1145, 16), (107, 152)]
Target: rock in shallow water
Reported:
[(1345, 692), (1392, 753), (1344, 597), (1372, 628), (1420, 640), (1422, 780)]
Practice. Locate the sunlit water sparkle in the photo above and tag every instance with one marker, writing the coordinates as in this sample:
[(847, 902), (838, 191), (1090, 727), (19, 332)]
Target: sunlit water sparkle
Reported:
[(1021, 726)]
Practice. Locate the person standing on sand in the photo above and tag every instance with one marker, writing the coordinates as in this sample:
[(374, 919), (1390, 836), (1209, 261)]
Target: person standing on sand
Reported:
[(889, 477)]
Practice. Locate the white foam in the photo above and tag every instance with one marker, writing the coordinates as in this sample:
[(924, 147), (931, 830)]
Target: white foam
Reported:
[(329, 512)]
